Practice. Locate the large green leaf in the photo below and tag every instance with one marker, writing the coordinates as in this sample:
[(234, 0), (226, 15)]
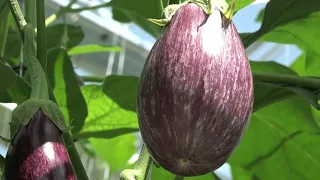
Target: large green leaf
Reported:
[(106, 118), (303, 33), (266, 94), (66, 89), (18, 92), (282, 12), (123, 90), (7, 76), (116, 152), (280, 143), (13, 47), (92, 48), (54, 36), (138, 11), (4, 9)]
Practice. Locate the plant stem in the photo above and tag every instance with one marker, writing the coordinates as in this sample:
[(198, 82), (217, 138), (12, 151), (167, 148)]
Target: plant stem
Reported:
[(41, 34), (287, 80), (141, 169), (4, 25), (18, 16), (30, 6), (75, 158), (143, 164), (93, 78), (37, 75), (67, 9)]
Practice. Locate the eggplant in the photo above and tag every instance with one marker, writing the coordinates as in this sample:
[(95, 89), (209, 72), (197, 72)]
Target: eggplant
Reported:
[(195, 95), (37, 152)]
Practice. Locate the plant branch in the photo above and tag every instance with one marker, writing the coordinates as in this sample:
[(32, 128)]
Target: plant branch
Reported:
[(287, 80), (141, 169), (4, 25), (74, 157), (30, 6), (67, 9), (144, 163), (17, 15), (41, 34)]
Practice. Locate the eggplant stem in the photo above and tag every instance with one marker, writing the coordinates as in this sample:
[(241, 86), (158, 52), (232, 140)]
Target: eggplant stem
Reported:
[(41, 34), (38, 77), (141, 169), (17, 15)]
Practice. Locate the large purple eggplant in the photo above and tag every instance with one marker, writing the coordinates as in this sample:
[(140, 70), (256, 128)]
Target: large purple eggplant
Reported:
[(37, 152), (196, 92)]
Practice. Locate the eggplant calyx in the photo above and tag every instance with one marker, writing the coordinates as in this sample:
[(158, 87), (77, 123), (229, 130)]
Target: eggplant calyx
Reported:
[(168, 13), (25, 111), (207, 5)]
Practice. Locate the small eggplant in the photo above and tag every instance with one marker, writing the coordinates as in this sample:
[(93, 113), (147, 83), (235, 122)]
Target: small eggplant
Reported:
[(37, 151), (195, 95)]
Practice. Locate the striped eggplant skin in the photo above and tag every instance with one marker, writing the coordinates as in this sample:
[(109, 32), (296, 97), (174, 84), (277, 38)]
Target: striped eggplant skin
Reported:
[(195, 94), (37, 152)]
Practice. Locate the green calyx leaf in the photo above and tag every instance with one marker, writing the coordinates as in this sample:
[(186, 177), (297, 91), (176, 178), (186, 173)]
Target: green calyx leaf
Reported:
[(25, 111), (168, 13), (206, 5)]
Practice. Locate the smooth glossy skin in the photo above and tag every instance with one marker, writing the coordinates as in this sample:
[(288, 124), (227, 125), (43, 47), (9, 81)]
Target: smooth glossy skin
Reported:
[(38, 152), (196, 93)]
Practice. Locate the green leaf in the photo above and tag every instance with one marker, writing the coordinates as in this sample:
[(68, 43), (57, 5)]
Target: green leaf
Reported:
[(13, 47), (66, 89), (106, 134), (280, 142), (138, 11), (7, 76), (55, 34), (92, 48), (282, 12), (266, 94), (302, 33), (160, 174), (123, 90), (4, 10), (105, 114), (310, 96), (126, 16), (116, 152), (241, 4), (18, 92)]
